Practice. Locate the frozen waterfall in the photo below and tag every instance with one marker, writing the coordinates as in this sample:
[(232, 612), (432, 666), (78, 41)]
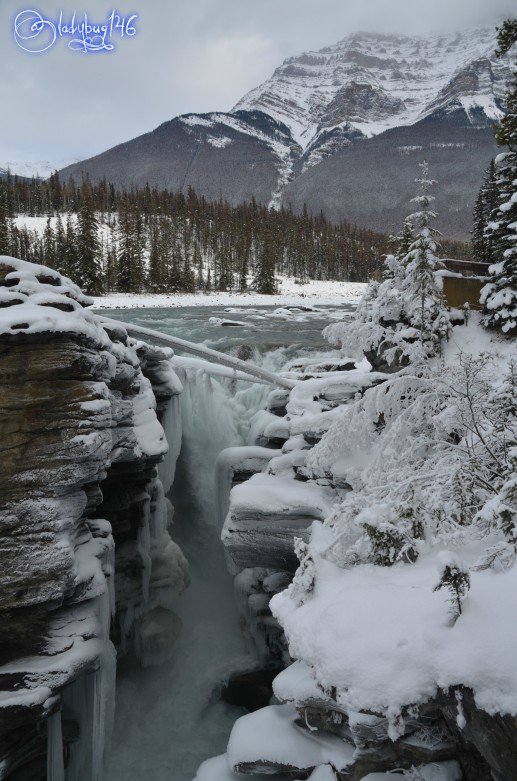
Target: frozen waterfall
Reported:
[(169, 718)]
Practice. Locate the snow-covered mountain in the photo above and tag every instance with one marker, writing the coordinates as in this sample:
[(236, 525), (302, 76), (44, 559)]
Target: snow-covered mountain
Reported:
[(341, 130), (40, 169), (372, 83)]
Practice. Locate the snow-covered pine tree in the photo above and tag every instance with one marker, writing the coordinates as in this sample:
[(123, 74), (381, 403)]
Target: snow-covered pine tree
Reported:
[(455, 577), (499, 296), (486, 202), (404, 240), (490, 203), (424, 304)]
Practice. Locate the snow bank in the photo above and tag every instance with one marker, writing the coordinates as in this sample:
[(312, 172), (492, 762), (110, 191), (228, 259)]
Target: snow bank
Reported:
[(291, 294), (383, 637)]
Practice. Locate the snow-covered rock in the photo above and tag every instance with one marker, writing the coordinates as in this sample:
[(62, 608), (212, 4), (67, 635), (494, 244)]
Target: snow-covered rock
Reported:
[(83, 517), (269, 740), (266, 513)]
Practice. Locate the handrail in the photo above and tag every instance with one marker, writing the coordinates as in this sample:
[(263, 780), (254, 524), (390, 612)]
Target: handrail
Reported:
[(206, 353)]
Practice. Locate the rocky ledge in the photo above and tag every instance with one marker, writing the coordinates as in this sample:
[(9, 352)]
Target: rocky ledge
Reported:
[(87, 560)]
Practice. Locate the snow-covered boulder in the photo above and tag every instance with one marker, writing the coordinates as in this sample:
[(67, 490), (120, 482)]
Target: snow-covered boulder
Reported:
[(266, 513)]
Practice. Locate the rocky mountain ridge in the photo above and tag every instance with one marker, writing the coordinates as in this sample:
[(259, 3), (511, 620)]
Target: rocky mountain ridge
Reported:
[(371, 83)]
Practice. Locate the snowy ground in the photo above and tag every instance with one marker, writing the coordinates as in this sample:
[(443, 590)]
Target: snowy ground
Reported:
[(312, 293)]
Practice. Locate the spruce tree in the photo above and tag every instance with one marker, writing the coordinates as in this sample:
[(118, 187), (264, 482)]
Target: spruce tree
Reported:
[(486, 202), (125, 249), (70, 267), (49, 245), (155, 256), (89, 270), (499, 296), (188, 281), (139, 244), (197, 263), (4, 228), (490, 195), (60, 244), (175, 279), (264, 281), (478, 228), (424, 303)]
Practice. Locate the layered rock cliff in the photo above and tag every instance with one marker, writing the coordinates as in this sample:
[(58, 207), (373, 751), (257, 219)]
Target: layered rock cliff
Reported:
[(87, 560)]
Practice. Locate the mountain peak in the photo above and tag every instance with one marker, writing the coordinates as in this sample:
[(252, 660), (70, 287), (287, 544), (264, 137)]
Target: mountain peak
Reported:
[(376, 81)]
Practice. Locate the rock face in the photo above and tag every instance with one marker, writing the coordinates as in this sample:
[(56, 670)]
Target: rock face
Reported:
[(305, 730), (83, 521), (340, 130)]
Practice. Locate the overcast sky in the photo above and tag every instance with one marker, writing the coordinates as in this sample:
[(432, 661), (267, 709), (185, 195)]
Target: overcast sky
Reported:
[(188, 55)]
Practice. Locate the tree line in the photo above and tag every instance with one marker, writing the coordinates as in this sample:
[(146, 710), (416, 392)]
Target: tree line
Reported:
[(154, 240), (150, 240)]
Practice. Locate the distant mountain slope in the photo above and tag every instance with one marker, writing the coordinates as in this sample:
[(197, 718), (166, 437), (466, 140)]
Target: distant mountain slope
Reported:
[(340, 129), (232, 156), (39, 169)]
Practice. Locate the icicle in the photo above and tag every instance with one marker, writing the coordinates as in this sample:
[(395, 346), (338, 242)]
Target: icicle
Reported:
[(104, 615), (110, 578), (103, 709), (77, 709), (158, 519), (144, 548), (173, 432), (55, 764)]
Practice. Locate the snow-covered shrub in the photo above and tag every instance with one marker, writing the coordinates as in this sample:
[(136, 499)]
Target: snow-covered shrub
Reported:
[(439, 470), (303, 581), (454, 576)]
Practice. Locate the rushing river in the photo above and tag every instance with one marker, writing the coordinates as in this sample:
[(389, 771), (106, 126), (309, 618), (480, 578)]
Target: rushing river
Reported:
[(170, 718)]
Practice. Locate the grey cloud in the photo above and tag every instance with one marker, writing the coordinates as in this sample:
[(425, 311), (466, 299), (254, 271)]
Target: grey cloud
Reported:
[(189, 55)]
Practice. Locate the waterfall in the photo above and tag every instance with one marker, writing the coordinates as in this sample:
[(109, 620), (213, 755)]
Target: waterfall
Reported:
[(171, 717)]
